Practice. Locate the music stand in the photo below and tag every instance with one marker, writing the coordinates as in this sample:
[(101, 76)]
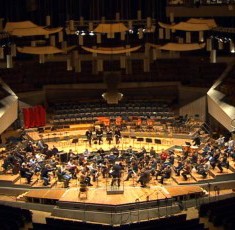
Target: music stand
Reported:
[(187, 143), (75, 141)]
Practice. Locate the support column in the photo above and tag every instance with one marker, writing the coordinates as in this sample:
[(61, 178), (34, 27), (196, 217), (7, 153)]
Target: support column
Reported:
[(213, 56), (188, 37), (9, 61), (161, 33), (208, 44), (201, 36), (69, 64), (41, 58)]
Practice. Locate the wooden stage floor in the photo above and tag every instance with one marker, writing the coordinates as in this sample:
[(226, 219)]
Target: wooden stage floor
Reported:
[(63, 140), (99, 196)]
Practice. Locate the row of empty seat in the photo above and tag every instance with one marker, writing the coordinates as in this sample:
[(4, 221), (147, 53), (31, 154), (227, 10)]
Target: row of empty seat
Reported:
[(12, 218), (168, 223), (20, 77), (220, 213)]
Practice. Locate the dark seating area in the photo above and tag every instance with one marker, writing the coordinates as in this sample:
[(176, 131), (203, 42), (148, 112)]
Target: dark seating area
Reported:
[(220, 213), (227, 88), (168, 223), (198, 73), (75, 113), (3, 93), (12, 218)]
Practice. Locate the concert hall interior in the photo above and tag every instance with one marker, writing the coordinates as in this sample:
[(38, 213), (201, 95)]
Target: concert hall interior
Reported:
[(117, 114)]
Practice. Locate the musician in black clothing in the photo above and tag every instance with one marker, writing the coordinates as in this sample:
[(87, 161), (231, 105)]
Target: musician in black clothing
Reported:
[(197, 141), (45, 174), (8, 162), (99, 135), (109, 135), (117, 135), (145, 177), (116, 174), (26, 173), (89, 136)]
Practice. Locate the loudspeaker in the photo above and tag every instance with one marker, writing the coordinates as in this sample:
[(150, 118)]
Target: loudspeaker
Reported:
[(158, 141), (31, 5), (140, 139), (149, 140)]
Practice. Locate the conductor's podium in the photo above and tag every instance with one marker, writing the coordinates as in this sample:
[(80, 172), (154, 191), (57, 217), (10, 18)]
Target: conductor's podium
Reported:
[(114, 186)]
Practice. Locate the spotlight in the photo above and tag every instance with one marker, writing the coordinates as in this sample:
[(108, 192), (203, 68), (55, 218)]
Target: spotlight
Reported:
[(91, 33)]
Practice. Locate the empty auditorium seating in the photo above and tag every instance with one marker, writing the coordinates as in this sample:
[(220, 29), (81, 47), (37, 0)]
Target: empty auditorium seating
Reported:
[(168, 223), (219, 212), (14, 218)]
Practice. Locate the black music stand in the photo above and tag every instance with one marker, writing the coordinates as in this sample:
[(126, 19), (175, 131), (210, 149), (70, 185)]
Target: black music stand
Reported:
[(158, 142), (75, 141), (187, 143)]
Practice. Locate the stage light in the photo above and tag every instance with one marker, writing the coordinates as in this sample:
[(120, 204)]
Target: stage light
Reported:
[(91, 33), (232, 47)]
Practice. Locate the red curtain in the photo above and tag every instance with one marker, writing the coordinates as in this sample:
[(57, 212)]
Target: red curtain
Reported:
[(34, 116)]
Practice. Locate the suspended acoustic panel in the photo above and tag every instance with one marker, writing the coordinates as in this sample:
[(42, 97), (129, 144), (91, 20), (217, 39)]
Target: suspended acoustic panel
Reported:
[(36, 31), (27, 28), (111, 50), (10, 26), (110, 28), (210, 22), (185, 26), (39, 50), (179, 47), (43, 49)]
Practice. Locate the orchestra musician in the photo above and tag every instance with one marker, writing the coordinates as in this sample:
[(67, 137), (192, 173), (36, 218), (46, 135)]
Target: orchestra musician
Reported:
[(72, 168), (85, 179), (25, 172), (132, 170), (45, 174), (165, 173), (116, 174), (117, 135), (109, 135), (99, 135), (64, 176), (186, 170), (8, 162), (89, 136), (145, 177)]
